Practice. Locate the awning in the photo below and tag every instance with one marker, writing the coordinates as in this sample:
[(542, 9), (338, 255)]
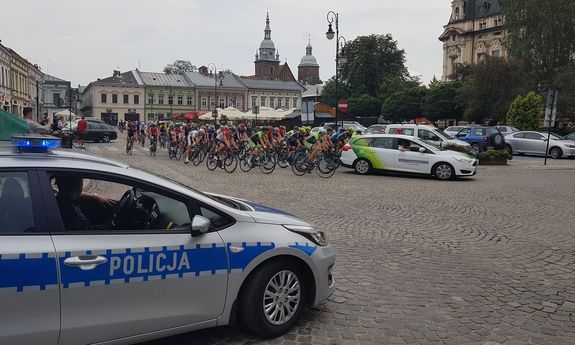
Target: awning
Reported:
[(10, 124)]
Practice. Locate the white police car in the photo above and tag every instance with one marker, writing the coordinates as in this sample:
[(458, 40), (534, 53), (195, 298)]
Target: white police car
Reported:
[(158, 260)]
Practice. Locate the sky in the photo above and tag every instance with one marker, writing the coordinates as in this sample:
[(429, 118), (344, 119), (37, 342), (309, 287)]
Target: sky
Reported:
[(82, 40)]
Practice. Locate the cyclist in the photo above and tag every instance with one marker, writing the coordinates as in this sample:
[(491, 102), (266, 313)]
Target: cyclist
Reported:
[(191, 144), (295, 142), (131, 136), (314, 144), (259, 140), (153, 134), (176, 136), (242, 133)]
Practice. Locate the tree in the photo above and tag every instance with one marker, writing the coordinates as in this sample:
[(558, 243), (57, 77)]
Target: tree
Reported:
[(489, 90), (180, 67), (364, 105), (404, 104), (441, 103), (374, 63), (526, 112), (542, 35)]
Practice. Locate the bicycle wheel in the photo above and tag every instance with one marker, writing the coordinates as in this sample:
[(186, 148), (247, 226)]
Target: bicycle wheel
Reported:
[(299, 166), (179, 152), (230, 163), (282, 159), (246, 163), (267, 163), (211, 162), (326, 167)]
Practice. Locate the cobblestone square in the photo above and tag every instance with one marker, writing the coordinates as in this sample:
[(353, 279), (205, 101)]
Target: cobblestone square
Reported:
[(487, 260)]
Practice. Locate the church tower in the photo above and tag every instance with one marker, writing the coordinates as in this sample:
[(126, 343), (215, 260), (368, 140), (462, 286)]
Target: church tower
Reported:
[(308, 69), (267, 62)]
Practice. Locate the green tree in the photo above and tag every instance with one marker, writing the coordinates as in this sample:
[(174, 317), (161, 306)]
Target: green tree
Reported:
[(404, 104), (542, 35), (364, 105), (180, 67), (441, 104), (490, 88), (526, 112)]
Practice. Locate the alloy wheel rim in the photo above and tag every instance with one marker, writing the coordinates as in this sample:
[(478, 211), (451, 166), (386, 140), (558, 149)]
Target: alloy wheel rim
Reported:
[(443, 172), (362, 167), (282, 297)]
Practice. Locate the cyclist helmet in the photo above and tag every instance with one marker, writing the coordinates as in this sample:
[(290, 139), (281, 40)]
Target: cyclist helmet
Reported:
[(153, 124), (202, 131), (270, 128), (322, 131), (302, 130), (295, 128), (342, 130), (282, 127), (242, 127), (276, 129)]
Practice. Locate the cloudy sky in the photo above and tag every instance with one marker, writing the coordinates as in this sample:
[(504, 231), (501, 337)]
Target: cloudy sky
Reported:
[(82, 40)]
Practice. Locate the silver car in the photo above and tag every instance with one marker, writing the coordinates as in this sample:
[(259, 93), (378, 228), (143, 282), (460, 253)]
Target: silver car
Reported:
[(535, 143), (160, 259)]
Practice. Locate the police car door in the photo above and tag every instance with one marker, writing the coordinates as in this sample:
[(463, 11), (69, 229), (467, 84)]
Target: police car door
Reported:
[(29, 296), (123, 282)]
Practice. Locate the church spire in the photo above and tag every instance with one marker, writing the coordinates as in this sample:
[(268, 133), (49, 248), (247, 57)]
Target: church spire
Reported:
[(268, 30)]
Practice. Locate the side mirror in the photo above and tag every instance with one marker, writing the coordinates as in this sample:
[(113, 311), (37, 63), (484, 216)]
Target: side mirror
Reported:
[(422, 150), (200, 225)]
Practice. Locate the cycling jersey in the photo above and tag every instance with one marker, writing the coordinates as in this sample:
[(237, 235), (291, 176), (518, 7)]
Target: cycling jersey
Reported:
[(292, 139), (153, 131)]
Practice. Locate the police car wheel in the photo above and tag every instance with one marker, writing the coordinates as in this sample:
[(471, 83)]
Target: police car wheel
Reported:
[(273, 299)]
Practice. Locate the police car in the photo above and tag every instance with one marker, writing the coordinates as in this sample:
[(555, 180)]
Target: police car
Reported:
[(160, 259)]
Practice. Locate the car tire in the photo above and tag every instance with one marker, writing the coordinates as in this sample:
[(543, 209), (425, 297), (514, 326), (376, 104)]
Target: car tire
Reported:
[(497, 141), (443, 171), (106, 138), (259, 292), (362, 166), (555, 153), (509, 149), (476, 148)]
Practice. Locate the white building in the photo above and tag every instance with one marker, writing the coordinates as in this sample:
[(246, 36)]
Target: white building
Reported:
[(274, 94), (5, 85), (55, 91)]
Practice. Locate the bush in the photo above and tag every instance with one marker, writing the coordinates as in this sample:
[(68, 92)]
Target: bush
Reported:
[(455, 147), (492, 155)]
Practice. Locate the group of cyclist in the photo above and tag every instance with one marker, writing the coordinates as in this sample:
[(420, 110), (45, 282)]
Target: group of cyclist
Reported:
[(258, 138)]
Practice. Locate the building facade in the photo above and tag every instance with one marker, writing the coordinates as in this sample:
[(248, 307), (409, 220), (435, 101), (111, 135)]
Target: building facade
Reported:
[(231, 92), (475, 30), (308, 69), (276, 94), (55, 91), (5, 78), (20, 83), (166, 95), (119, 97)]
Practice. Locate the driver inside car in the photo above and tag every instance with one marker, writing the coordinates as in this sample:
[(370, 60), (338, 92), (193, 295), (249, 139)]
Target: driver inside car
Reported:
[(69, 199)]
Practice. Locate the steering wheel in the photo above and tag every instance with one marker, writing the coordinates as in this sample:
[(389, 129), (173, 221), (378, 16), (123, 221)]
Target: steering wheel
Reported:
[(122, 218)]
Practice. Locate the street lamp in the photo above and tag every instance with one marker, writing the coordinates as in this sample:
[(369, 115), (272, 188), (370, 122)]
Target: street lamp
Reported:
[(339, 54), (217, 76)]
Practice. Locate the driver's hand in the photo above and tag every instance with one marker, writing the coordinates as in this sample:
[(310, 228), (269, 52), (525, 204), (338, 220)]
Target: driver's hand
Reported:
[(106, 202)]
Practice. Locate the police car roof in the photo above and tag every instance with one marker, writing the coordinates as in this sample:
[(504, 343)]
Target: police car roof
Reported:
[(52, 158)]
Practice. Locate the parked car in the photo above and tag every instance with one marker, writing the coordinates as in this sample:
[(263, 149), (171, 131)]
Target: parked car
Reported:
[(393, 152), (97, 132), (481, 137), (426, 132), (376, 129), (535, 143), (453, 130), (346, 124), (505, 130)]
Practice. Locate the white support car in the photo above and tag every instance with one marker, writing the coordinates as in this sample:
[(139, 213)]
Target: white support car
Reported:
[(405, 154), (426, 132)]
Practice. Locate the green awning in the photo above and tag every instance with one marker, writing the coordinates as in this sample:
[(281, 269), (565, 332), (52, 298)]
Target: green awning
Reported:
[(10, 124)]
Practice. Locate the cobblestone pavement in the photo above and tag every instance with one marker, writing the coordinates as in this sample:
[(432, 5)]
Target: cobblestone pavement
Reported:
[(488, 260)]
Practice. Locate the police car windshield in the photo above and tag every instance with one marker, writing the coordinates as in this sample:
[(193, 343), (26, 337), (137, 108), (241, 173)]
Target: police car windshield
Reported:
[(223, 201)]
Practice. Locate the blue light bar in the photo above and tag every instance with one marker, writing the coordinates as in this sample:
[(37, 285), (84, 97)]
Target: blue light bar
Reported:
[(34, 143)]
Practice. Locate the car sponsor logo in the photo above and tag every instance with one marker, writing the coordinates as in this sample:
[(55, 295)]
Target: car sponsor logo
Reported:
[(413, 161)]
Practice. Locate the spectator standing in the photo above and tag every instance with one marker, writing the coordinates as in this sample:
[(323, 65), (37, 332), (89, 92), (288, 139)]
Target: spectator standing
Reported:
[(33, 126), (81, 130)]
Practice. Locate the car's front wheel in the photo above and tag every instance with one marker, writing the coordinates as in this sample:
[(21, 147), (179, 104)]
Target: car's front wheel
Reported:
[(475, 147), (509, 149), (362, 166), (273, 299), (556, 153), (443, 171)]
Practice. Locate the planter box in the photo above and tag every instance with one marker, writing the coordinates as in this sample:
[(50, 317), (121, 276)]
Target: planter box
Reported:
[(493, 162)]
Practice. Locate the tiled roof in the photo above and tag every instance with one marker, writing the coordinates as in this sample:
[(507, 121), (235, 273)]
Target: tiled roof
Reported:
[(123, 78), (273, 85), (201, 80), (51, 78), (163, 79)]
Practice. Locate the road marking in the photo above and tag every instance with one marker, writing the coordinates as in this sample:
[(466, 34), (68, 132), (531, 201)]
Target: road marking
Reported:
[(114, 149)]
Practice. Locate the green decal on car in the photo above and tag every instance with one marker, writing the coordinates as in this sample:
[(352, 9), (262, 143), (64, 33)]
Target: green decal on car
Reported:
[(369, 154)]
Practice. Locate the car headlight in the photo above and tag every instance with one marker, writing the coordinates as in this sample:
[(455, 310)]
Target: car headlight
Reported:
[(570, 146), (463, 160), (318, 237)]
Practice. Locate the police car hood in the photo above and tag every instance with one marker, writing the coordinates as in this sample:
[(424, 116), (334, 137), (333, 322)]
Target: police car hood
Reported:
[(264, 214)]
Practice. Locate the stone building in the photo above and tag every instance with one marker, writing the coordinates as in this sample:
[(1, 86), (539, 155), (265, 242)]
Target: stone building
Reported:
[(475, 30), (308, 68), (5, 77), (166, 94), (276, 94), (231, 92), (55, 92)]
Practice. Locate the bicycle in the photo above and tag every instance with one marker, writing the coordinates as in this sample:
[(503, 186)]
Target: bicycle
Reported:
[(265, 161), (181, 149), (198, 155), (153, 146), (130, 147), (325, 165), (142, 139), (163, 140), (229, 162)]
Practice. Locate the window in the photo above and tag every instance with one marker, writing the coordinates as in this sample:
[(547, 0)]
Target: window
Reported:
[(254, 101), (212, 102), (161, 99), (180, 100), (56, 98), (519, 136), (272, 102), (231, 102), (156, 210), (496, 53), (427, 135), (363, 142), (263, 101), (190, 100), (136, 99), (456, 13), (114, 98), (222, 102), (16, 214), (480, 56), (502, 129), (239, 103), (482, 25), (170, 99), (295, 103), (126, 99), (408, 145), (384, 143), (150, 99), (464, 132), (404, 131), (103, 98), (204, 102), (534, 136)]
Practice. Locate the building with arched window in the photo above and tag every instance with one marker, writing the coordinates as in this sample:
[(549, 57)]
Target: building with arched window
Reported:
[(475, 30)]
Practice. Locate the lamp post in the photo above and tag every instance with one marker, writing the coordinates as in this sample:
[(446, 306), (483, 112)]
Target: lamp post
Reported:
[(339, 55), (217, 76)]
